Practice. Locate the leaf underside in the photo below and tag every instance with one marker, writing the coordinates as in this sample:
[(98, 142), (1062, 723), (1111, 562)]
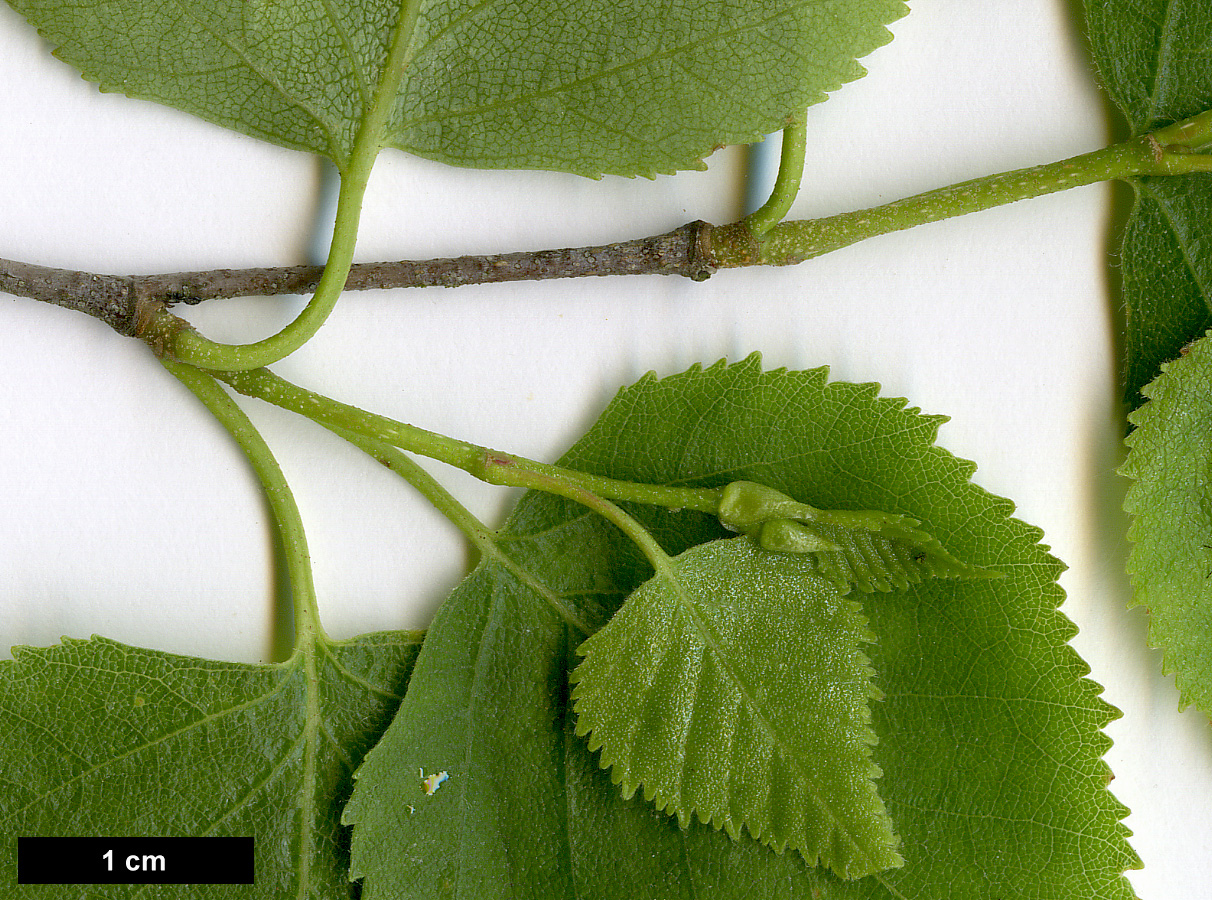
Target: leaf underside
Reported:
[(1152, 57), (1167, 273), (1169, 460), (629, 87), (99, 739), (989, 733), (733, 687)]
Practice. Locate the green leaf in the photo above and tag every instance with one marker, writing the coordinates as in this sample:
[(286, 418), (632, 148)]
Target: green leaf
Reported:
[(731, 686), (1152, 57), (626, 86), (1167, 273), (989, 734), (104, 739), (1169, 460)]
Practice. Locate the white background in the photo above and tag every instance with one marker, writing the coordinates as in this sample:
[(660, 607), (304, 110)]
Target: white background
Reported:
[(125, 512)]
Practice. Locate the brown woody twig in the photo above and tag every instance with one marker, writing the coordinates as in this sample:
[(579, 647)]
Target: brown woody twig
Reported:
[(124, 301)]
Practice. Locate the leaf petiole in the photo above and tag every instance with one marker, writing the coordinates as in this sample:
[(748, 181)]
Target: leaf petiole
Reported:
[(308, 630), (479, 534), (787, 183), (1164, 152), (488, 465), (189, 346), (384, 439), (564, 486)]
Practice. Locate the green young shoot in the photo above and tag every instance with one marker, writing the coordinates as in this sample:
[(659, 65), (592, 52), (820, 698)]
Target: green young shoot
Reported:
[(868, 548), (1165, 152), (492, 466)]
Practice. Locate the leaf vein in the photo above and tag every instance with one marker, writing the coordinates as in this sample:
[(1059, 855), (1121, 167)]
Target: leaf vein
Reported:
[(473, 703), (139, 748), (326, 127), (711, 640), (365, 88), (1179, 239), (1161, 62), (569, 86), (357, 680)]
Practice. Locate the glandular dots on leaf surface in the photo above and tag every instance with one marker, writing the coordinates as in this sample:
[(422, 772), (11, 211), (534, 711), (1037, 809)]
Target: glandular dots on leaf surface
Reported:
[(732, 687)]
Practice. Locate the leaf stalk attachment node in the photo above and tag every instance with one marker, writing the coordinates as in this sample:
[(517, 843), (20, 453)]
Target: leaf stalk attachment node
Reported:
[(157, 327), (787, 182)]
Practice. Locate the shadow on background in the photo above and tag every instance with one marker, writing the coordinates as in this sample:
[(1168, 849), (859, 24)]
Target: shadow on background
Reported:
[(1104, 451)]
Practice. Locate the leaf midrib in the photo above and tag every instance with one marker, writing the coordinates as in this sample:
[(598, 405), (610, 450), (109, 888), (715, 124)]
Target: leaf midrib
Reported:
[(658, 56), (365, 87), (491, 547), (1161, 60), (308, 787), (712, 641), (490, 624), (1163, 207)]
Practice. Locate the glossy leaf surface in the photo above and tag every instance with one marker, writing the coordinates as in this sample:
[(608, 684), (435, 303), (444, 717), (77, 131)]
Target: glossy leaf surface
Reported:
[(628, 87), (989, 733), (731, 686), (103, 739), (1170, 461)]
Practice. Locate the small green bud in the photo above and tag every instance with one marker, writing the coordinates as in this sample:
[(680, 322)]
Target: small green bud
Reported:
[(890, 525), (745, 505), (788, 536)]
